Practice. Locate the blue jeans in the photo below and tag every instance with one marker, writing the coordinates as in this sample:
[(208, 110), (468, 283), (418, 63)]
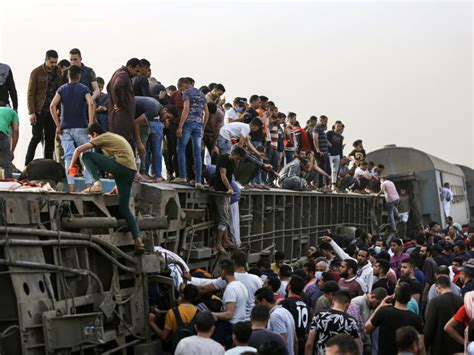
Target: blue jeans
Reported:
[(224, 145), (193, 131), (289, 156), (72, 138), (274, 161), (392, 212), (257, 179), (156, 141)]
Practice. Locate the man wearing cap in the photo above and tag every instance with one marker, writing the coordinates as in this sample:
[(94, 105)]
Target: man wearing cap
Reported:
[(235, 113), (467, 275)]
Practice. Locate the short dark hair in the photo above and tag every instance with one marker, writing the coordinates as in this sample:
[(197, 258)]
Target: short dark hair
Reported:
[(444, 270), (352, 264), (204, 321), (133, 62), (64, 63), (356, 143), (95, 128), (380, 293), (384, 265), (291, 114), (325, 246), (183, 81), (75, 51), (100, 80), (52, 54), (297, 284), (172, 109), (265, 294), (271, 348), (327, 276), (190, 293), (263, 98), (74, 72), (405, 337), (397, 241), (443, 281), (420, 238), (345, 344), (285, 270), (144, 63), (274, 283), (279, 255), (172, 88), (227, 266), (238, 151), (281, 115), (204, 89), (219, 87), (211, 86), (242, 331), (403, 293), (310, 266), (239, 258), (260, 313), (253, 98), (410, 261), (342, 297), (256, 122)]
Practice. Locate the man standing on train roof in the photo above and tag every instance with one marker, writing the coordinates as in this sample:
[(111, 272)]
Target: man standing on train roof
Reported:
[(88, 77), (121, 108), (446, 197)]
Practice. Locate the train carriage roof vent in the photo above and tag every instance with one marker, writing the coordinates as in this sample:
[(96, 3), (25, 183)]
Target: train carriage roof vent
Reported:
[(390, 146)]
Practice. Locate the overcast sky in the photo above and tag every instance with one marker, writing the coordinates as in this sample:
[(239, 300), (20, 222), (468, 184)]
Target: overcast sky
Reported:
[(393, 72)]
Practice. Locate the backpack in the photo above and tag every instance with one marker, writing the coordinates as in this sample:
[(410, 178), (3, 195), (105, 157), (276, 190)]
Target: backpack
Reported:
[(183, 331)]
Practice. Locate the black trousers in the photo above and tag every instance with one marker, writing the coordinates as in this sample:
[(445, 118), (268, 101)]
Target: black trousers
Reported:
[(171, 159), (44, 128)]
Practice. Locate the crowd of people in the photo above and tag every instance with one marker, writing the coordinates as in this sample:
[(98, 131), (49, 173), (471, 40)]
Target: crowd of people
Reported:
[(204, 141), (346, 296)]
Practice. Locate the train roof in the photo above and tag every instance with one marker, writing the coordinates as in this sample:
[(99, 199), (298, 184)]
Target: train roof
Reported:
[(405, 159), (468, 172)]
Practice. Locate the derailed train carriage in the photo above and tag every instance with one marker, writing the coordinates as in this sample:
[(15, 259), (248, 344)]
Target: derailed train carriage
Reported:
[(71, 283), (423, 175)]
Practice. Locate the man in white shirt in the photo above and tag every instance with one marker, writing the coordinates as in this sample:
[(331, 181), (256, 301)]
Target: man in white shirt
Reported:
[(239, 131), (281, 321), (446, 197), (235, 113), (202, 342), (234, 300)]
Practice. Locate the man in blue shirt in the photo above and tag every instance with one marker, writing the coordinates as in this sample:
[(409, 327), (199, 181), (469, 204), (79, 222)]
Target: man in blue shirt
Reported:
[(321, 145), (191, 125), (77, 112)]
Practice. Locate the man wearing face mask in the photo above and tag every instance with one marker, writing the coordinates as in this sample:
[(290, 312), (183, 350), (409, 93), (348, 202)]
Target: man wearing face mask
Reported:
[(235, 113)]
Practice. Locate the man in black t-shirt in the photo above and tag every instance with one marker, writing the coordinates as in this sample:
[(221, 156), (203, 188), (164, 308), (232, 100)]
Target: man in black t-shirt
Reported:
[(225, 171), (298, 309), (389, 318), (408, 269)]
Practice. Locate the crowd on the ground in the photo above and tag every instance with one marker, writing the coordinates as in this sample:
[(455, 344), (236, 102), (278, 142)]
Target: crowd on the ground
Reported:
[(348, 295)]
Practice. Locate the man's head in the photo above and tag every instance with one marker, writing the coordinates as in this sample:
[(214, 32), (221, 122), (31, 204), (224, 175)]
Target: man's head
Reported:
[(376, 296), (204, 323), (265, 297), (190, 294), (237, 154), (408, 267), (279, 258), (396, 246), (326, 250), (101, 83), (226, 269), (341, 344), (322, 266), (381, 267), (311, 251), (64, 64), (94, 130), (338, 127), (218, 90), (446, 184), (168, 112), (145, 68), (75, 57), (259, 315), (285, 272), (74, 74), (459, 247), (296, 285), (273, 283), (434, 227), (241, 333), (239, 258), (402, 293), (348, 268), (292, 118), (263, 101), (457, 264), (133, 67), (363, 256), (254, 102), (255, 125), (408, 341), (443, 284), (183, 84), (309, 269), (425, 251), (342, 299), (358, 145), (51, 59), (323, 121)]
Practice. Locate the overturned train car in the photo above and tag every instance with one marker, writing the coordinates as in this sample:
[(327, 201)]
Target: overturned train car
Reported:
[(71, 283), (423, 175)]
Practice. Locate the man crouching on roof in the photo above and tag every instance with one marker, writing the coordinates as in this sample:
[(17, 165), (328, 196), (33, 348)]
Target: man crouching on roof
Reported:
[(117, 159)]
